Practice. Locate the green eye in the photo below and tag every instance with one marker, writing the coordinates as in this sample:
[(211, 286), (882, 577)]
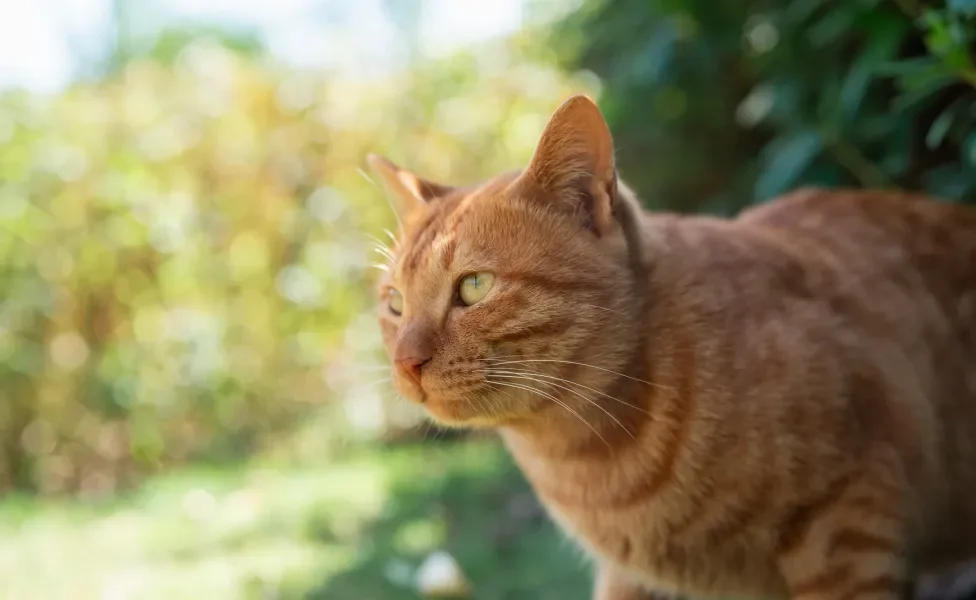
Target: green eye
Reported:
[(395, 302), (474, 287)]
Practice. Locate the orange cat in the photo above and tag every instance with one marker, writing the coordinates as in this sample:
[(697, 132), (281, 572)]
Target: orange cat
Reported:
[(777, 405)]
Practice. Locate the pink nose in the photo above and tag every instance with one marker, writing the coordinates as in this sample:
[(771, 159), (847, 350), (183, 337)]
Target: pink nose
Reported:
[(409, 367), (415, 347)]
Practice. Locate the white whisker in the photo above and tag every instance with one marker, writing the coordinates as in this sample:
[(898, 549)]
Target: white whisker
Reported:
[(377, 240), (568, 389), (568, 381), (610, 310), (386, 196), (360, 369), (544, 394), (570, 362), (385, 252), (366, 176)]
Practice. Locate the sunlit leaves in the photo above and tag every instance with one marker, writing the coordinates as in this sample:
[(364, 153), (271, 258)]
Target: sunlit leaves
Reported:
[(778, 95), (184, 246)]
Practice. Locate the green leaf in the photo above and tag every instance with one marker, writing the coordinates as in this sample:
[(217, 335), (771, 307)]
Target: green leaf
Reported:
[(908, 66), (788, 159), (950, 182), (969, 150), (833, 26), (940, 127), (916, 97), (883, 43), (966, 7)]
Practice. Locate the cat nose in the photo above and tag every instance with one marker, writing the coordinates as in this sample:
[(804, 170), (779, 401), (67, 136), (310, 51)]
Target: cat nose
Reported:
[(410, 366), (414, 349)]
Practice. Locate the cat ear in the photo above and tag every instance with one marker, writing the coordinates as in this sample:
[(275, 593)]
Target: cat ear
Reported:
[(408, 190), (573, 165)]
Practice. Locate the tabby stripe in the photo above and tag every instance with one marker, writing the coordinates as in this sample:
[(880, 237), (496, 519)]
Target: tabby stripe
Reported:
[(679, 415), (552, 283), (794, 531), (821, 583), (419, 233), (428, 231), (875, 507), (447, 253), (861, 541), (886, 586), (665, 469), (549, 328), (733, 516)]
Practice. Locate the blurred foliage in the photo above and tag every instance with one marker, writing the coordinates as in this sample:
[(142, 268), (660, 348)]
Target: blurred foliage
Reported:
[(185, 239), (717, 105), (352, 529), (184, 248)]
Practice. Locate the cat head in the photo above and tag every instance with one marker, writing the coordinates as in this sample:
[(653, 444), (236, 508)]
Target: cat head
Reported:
[(502, 299)]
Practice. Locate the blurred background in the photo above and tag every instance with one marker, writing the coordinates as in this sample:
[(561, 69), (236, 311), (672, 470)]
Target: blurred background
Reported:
[(193, 403)]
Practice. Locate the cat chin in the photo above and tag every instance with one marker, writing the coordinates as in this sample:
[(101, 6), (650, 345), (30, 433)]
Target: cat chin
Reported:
[(458, 414), (473, 423)]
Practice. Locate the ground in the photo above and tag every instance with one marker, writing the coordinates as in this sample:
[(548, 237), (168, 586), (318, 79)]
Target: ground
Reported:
[(353, 529)]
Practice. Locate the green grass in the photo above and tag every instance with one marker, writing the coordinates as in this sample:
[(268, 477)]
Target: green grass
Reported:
[(353, 530)]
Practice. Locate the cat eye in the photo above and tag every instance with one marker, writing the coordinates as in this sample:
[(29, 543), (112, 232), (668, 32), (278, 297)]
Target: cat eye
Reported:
[(474, 287), (395, 302)]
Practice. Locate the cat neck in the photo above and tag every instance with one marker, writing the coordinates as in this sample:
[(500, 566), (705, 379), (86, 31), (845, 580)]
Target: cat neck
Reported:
[(568, 428), (617, 401)]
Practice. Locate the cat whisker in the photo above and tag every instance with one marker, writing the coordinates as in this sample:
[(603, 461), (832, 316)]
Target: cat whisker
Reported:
[(610, 310), (470, 399), (380, 266), (366, 176), (381, 247), (523, 361), (357, 370), (544, 394), (361, 366), (372, 385), (570, 382), (501, 391), (377, 240), (570, 390), (485, 404), (426, 423), (385, 252), (388, 201)]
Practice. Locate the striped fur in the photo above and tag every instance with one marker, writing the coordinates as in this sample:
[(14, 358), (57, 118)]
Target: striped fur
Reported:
[(780, 405)]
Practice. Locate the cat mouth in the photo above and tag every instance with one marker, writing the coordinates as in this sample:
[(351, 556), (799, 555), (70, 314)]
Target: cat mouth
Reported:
[(452, 401), (460, 410), (414, 394)]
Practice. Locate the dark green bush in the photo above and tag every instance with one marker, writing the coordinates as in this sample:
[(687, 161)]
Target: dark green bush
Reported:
[(717, 105)]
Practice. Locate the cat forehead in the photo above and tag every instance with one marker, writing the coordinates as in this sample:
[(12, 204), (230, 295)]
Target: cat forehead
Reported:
[(446, 226), (435, 235)]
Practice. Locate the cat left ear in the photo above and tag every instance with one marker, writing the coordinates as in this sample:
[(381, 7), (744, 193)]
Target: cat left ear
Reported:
[(573, 165), (408, 190)]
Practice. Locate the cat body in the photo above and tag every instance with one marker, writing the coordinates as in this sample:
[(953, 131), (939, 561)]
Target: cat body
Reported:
[(801, 345), (777, 405)]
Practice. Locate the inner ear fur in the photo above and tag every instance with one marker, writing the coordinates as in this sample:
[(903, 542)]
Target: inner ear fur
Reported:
[(408, 190), (573, 167)]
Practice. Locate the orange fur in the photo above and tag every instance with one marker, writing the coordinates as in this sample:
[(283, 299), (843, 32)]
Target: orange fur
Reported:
[(777, 405)]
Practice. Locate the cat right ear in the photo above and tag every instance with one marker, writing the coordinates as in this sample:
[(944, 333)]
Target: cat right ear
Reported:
[(407, 190), (572, 168)]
